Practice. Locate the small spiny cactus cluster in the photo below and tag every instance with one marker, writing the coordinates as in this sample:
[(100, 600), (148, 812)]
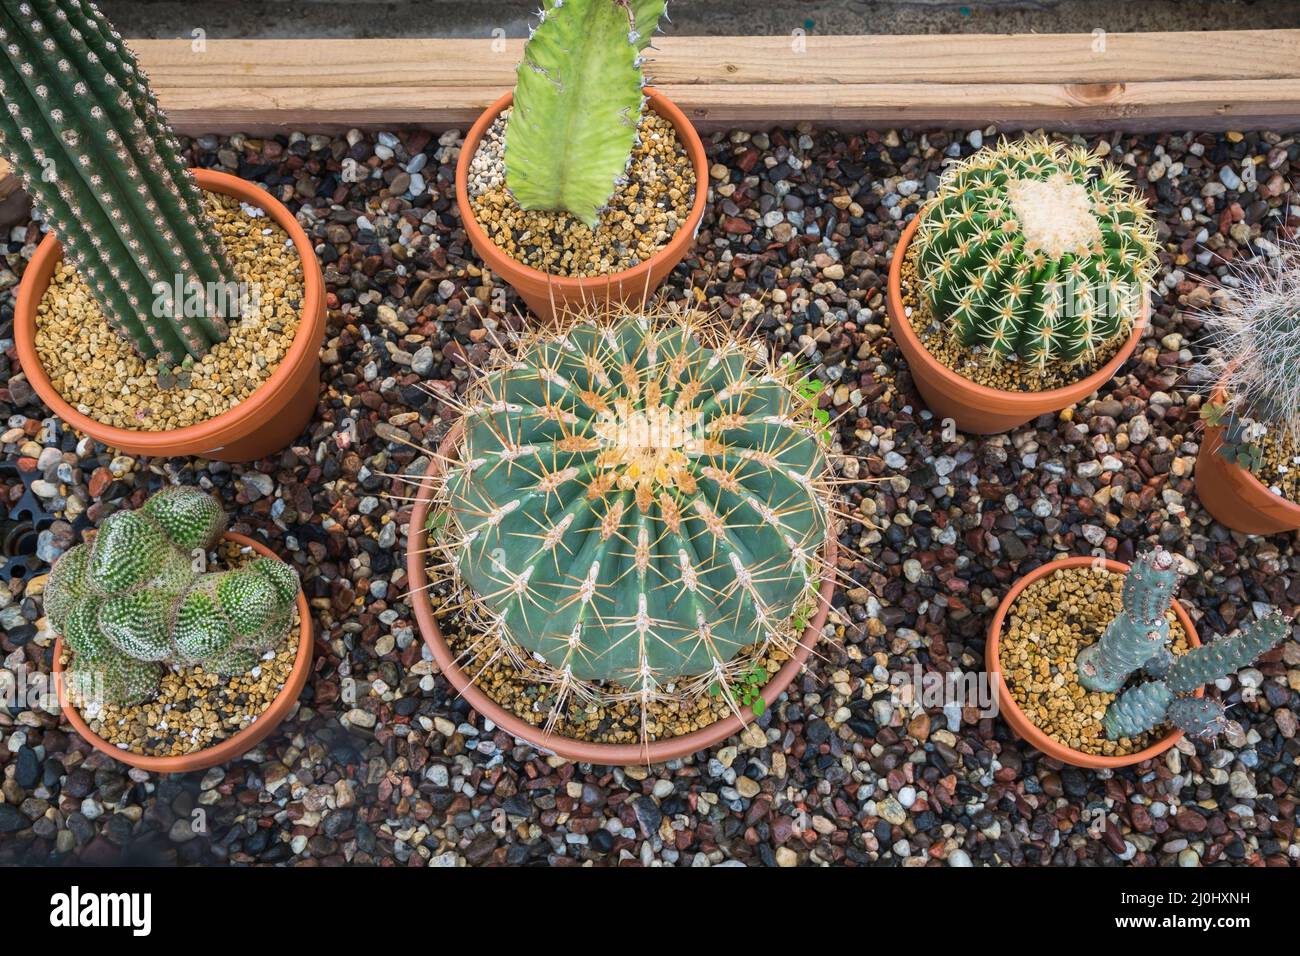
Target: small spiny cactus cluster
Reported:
[(1138, 640), (578, 100), (1035, 251), (636, 501), (1168, 700), (136, 598), (1256, 334), (82, 128)]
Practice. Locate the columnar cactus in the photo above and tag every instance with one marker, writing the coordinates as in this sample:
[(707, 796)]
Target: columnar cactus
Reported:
[(1140, 631), (82, 128), (136, 598), (1167, 701), (1036, 251), (1257, 339), (578, 99), (636, 501)]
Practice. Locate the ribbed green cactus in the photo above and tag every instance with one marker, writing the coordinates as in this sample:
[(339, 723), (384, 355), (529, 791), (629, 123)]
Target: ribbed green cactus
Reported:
[(1158, 702), (577, 103), (1140, 631), (635, 501), (1035, 250), (136, 598), (84, 131)]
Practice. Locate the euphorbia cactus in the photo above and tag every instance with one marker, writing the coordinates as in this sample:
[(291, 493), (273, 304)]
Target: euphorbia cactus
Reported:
[(83, 130), (1035, 250), (1140, 630), (137, 597), (634, 502), (577, 103), (1158, 702)]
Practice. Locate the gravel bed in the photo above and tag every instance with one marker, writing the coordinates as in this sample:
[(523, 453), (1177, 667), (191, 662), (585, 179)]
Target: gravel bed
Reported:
[(382, 764)]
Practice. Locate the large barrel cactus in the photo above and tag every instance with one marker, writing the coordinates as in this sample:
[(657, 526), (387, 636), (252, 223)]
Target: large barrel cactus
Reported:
[(137, 597), (634, 502), (1035, 250)]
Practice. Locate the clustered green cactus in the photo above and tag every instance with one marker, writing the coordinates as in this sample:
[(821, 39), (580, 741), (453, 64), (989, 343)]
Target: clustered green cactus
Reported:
[(84, 131), (577, 103), (137, 597), (635, 501), (1037, 251), (1138, 640), (1167, 699)]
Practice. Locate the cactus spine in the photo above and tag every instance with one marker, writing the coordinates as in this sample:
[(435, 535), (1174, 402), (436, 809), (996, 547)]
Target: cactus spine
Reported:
[(1157, 702), (132, 600), (578, 99), (84, 131), (634, 502), (1140, 631), (1036, 251)]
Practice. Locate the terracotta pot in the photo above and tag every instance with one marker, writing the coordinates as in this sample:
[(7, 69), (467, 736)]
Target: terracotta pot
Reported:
[(271, 418), (546, 294), (1017, 718), (580, 750), (232, 748), (1236, 498), (978, 409)]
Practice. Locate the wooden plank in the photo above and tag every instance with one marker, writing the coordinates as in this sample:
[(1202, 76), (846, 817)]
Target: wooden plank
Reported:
[(1142, 80)]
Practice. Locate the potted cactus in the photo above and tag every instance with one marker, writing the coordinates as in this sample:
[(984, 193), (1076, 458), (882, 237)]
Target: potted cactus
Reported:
[(189, 314), (1022, 286), (568, 187), (627, 537), (1071, 646), (170, 666), (1248, 466)]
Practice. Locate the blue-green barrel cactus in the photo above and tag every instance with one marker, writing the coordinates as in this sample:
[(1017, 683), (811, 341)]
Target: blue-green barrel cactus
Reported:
[(138, 597), (578, 100), (636, 500), (1169, 701), (1037, 251), (1140, 631)]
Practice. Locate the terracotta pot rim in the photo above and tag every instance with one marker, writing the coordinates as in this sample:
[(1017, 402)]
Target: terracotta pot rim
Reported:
[(1246, 477), (1017, 718), (1065, 394), (219, 430), (582, 751), (686, 232), (231, 748)]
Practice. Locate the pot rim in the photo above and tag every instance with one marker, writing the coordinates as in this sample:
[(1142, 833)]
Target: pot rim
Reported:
[(1066, 395), (581, 751), (1020, 722), (220, 430), (1213, 438), (479, 238), (231, 748)]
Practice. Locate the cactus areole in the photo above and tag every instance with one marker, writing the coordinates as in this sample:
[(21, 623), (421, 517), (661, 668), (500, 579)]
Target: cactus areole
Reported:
[(84, 131), (637, 503), (1036, 251)]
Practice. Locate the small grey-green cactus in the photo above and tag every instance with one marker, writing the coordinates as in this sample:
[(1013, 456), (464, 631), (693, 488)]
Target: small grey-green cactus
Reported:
[(1168, 700), (137, 598), (1140, 631), (84, 132), (1036, 250), (577, 103)]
